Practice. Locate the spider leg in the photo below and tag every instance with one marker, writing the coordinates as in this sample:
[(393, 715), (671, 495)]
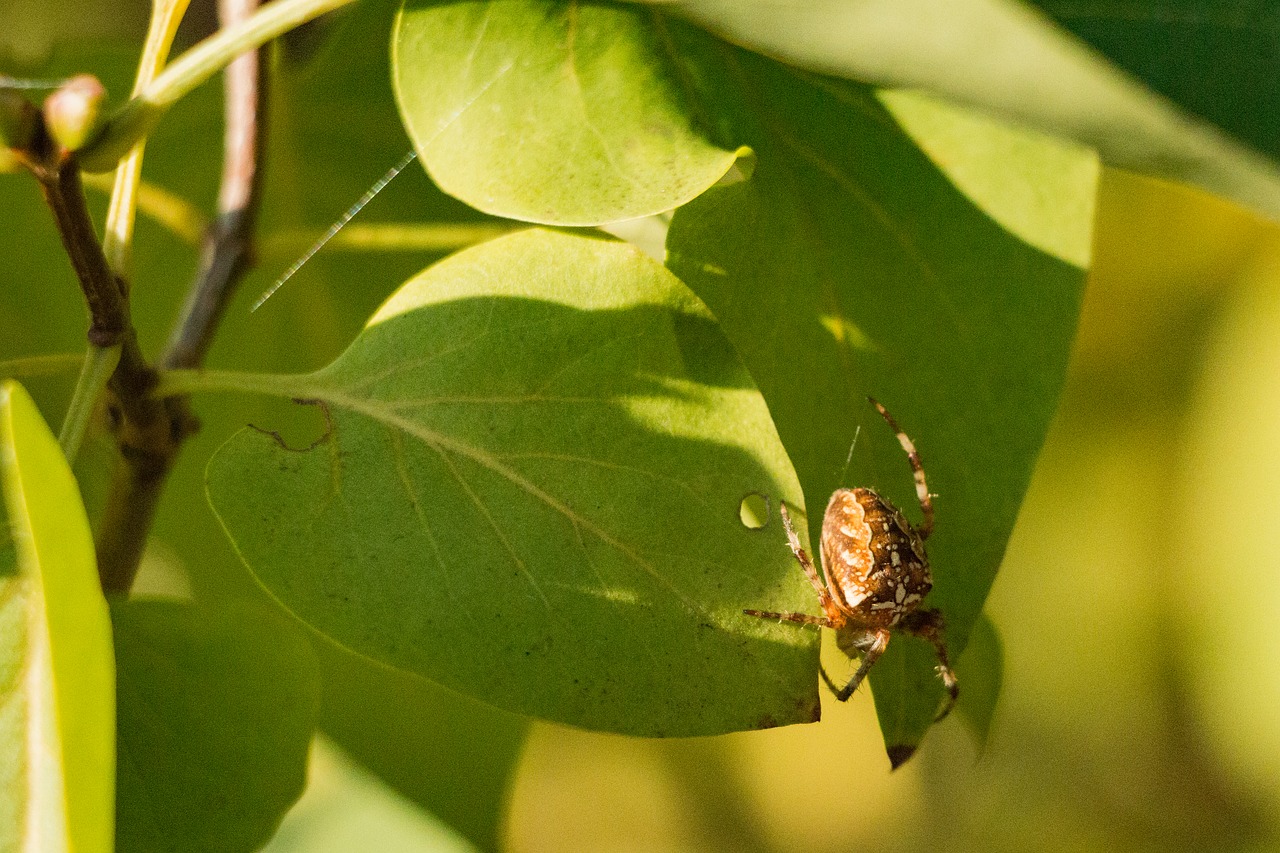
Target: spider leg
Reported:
[(922, 488), (873, 647), (927, 624), (828, 603), (800, 618), (831, 685)]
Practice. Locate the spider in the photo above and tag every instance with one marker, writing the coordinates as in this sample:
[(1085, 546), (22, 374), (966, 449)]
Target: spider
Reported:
[(877, 575)]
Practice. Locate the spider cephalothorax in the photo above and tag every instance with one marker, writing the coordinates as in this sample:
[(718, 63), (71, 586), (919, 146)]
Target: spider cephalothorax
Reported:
[(877, 576)]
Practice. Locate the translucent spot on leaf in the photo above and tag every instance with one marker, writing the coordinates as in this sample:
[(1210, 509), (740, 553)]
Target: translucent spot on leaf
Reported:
[(754, 510), (846, 333)]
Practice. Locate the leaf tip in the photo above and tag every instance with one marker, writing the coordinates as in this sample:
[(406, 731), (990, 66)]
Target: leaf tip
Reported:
[(899, 753)]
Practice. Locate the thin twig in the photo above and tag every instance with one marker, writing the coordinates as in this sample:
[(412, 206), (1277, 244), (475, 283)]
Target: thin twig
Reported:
[(229, 249), (108, 310), (167, 209), (117, 237)]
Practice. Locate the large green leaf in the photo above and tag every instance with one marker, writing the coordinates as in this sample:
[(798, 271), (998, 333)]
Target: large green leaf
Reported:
[(566, 113), (529, 492), (57, 697), (850, 264), (1218, 62), (217, 708)]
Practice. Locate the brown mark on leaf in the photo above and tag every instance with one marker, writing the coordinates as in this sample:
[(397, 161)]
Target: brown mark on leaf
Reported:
[(328, 429)]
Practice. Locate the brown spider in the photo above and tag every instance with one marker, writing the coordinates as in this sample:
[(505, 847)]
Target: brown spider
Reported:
[(877, 575)]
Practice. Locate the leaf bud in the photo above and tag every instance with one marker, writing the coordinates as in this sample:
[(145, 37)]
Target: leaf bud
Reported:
[(72, 113), (17, 127)]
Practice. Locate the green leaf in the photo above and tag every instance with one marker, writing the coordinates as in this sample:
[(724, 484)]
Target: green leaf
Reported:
[(529, 492), (216, 708), (1227, 63), (567, 113), (1217, 64), (348, 809), (851, 264), (901, 677), (449, 754), (57, 699)]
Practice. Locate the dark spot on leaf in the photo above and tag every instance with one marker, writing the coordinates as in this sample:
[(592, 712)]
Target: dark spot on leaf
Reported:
[(899, 754), (767, 722)]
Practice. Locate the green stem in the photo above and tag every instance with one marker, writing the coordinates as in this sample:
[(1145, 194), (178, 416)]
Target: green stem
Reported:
[(136, 118), (99, 364), (393, 237), (40, 365), (174, 383), (117, 237)]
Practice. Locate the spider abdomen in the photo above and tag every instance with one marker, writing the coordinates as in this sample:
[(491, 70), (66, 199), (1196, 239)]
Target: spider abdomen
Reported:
[(873, 558), (877, 574)]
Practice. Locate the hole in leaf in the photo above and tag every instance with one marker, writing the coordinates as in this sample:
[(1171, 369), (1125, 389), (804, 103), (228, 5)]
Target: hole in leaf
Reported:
[(754, 510)]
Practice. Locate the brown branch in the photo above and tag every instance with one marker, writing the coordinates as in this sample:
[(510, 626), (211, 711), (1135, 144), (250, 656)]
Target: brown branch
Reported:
[(229, 250), (59, 179), (110, 324), (149, 446), (148, 431)]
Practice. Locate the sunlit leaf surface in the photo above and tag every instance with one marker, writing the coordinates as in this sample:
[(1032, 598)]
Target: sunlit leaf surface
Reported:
[(57, 693), (567, 113)]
